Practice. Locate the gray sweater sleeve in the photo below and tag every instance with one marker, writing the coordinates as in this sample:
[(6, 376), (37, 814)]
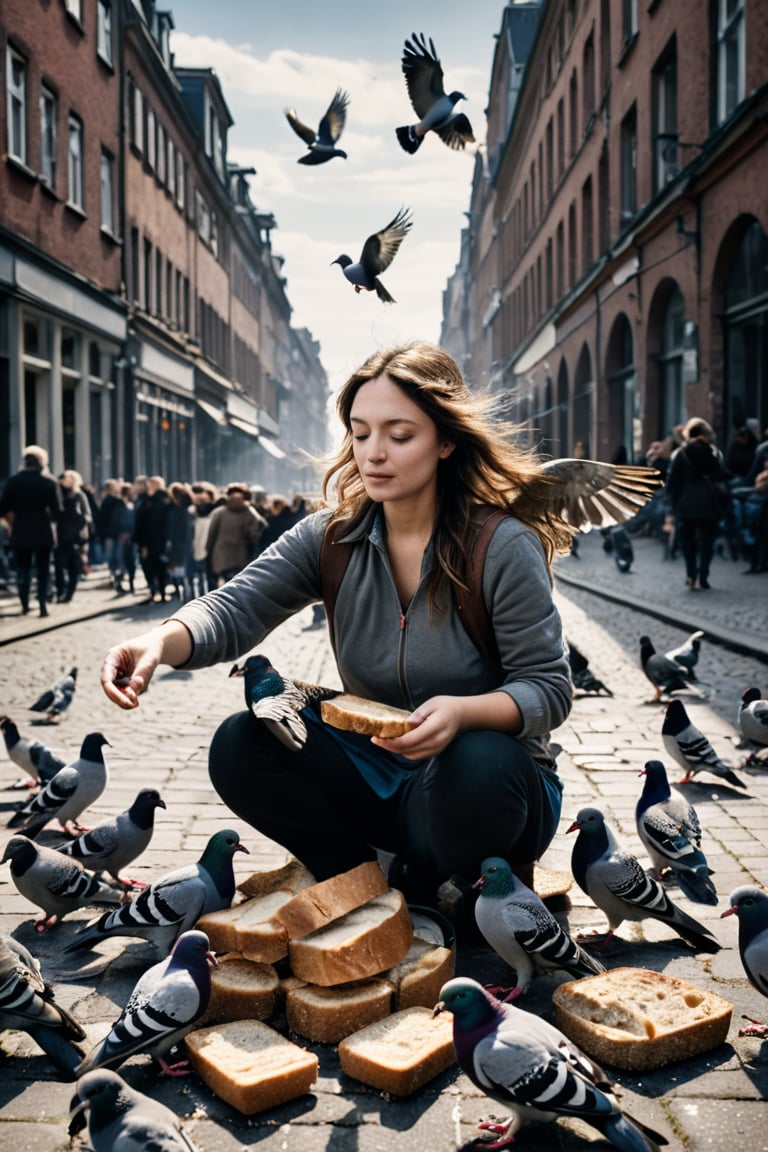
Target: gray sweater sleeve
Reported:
[(281, 581), (528, 629)]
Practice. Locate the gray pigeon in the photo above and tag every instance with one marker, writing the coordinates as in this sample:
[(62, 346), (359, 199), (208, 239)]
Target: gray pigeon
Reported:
[(435, 107), (671, 834), (690, 747), (69, 793), (27, 1004), (522, 930), (529, 1066), (120, 1117), (666, 675), (753, 717), (322, 145), (164, 1006), (116, 842), (378, 253), (32, 756), (750, 905), (57, 699), (615, 881), (175, 902), (53, 883), (687, 653)]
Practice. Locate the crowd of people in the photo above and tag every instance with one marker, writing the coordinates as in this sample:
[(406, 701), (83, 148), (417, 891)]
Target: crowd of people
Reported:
[(184, 538)]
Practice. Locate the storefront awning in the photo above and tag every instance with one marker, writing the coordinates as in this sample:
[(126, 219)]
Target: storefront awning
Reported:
[(244, 426), (272, 448), (211, 410)]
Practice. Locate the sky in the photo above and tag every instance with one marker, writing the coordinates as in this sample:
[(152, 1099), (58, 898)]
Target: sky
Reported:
[(273, 54)]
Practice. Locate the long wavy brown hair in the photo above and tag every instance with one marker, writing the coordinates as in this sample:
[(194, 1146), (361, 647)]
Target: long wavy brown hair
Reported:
[(487, 465)]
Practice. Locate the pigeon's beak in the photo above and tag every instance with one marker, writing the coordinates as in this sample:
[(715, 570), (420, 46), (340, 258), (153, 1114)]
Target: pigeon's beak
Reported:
[(438, 1008), (728, 912), (235, 671), (642, 772), (242, 848), (479, 883), (161, 803), (212, 961), (332, 263), (575, 827)]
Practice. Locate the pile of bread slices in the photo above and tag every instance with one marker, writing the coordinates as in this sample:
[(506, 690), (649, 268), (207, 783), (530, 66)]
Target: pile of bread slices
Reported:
[(343, 962)]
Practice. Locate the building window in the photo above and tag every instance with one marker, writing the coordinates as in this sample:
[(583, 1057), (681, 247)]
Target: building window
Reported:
[(135, 116), (541, 182), (573, 100), (181, 181), (150, 137), (147, 275), (572, 246), (628, 20), (104, 31), (672, 407), (605, 45), (589, 80), (587, 224), (75, 8), (48, 137), (203, 218), (162, 155), (214, 139), (629, 164), (135, 291), (550, 159), (533, 191), (746, 331), (75, 190), (560, 261), (731, 79), (107, 192), (170, 167), (664, 112), (16, 73), (548, 275), (560, 138), (604, 201), (158, 282)]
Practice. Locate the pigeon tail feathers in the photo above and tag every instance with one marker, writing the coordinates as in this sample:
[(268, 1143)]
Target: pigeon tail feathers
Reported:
[(409, 141)]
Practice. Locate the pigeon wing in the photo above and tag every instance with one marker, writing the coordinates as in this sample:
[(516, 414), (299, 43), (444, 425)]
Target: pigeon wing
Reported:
[(43, 702), (93, 846), (379, 249), (306, 133), (332, 124), (457, 132), (587, 493), (423, 74)]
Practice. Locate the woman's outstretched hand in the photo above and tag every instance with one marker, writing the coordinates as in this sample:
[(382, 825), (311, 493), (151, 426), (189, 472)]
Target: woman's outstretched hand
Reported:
[(128, 668)]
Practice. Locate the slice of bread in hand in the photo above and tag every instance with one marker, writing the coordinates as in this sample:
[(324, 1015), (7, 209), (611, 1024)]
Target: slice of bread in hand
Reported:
[(327, 1015), (401, 1053), (365, 942), (250, 1065), (636, 1018), (241, 990), (418, 978), (291, 877), (250, 927), (321, 903), (367, 717)]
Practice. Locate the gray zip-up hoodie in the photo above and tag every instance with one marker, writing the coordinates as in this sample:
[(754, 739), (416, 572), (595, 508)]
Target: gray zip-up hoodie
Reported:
[(402, 658)]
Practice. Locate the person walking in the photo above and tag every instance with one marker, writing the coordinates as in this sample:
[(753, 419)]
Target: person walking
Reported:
[(72, 534), (204, 498), (696, 483), (107, 523), (152, 537), (31, 500), (233, 533), (125, 520), (181, 533)]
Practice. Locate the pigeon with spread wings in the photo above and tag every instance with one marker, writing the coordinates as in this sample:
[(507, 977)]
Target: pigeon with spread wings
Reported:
[(322, 144), (378, 253), (432, 104)]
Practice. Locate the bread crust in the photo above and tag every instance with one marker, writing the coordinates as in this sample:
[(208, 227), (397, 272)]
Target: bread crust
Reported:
[(241, 990), (401, 1053), (638, 1019), (364, 943), (366, 717), (328, 1015), (322, 903)]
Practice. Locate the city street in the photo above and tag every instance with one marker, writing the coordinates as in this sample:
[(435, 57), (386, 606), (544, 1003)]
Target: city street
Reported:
[(702, 1103)]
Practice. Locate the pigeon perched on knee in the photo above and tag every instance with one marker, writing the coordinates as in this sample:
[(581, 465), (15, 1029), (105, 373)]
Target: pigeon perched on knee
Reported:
[(531, 1068), (278, 701)]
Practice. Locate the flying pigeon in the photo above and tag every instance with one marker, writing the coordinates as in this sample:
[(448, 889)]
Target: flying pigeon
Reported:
[(690, 747), (57, 699), (30, 755), (432, 104), (322, 146), (116, 842), (378, 253), (687, 653), (750, 905), (753, 717), (175, 902), (120, 1117), (522, 930), (589, 494), (615, 881), (621, 547), (53, 883), (68, 793), (666, 675), (527, 1065), (165, 1004), (671, 834), (582, 678), (278, 701), (27, 1004)]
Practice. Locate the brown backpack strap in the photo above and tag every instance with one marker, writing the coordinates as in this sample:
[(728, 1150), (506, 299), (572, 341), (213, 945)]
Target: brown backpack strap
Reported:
[(334, 558)]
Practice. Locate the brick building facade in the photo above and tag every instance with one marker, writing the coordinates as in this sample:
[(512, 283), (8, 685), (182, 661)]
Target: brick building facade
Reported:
[(617, 275)]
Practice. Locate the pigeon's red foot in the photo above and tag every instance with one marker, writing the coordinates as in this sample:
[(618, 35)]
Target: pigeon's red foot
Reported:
[(505, 993), (498, 1128), (755, 1028), (128, 883), (43, 922), (598, 941), (180, 1068)]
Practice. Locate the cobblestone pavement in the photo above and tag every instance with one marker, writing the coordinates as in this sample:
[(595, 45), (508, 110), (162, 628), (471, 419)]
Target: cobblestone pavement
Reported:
[(707, 1103)]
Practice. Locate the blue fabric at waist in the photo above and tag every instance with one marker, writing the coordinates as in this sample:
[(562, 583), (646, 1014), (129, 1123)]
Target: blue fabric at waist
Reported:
[(383, 771)]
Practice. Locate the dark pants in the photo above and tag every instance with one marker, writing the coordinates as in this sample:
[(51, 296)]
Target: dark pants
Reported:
[(67, 567), (697, 543), (484, 796), (23, 560)]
